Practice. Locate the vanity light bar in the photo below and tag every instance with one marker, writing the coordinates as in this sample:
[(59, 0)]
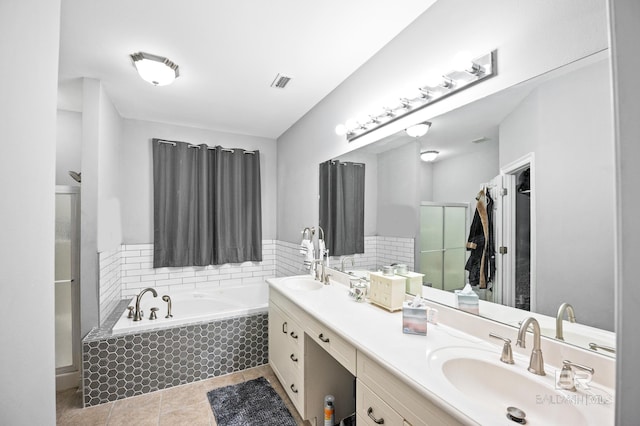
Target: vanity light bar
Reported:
[(473, 72)]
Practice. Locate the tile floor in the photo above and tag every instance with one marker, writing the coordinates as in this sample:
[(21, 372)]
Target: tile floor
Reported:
[(180, 405)]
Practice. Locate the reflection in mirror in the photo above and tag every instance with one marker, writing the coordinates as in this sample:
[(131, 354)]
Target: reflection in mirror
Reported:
[(549, 142)]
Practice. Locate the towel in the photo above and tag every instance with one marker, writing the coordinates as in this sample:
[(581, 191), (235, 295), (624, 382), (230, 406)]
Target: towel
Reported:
[(306, 249), (322, 248)]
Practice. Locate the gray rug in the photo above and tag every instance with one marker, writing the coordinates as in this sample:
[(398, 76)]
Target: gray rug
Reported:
[(252, 403)]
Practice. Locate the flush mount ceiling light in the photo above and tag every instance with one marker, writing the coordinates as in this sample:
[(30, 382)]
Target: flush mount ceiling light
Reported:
[(467, 72), (418, 130), (155, 69), (428, 155)]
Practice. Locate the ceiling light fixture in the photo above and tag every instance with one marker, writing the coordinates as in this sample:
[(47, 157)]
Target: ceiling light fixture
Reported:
[(439, 86), (418, 130), (155, 69), (428, 155)]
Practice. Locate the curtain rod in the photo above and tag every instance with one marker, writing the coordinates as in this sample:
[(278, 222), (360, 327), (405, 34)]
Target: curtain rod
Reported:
[(344, 163), (198, 146)]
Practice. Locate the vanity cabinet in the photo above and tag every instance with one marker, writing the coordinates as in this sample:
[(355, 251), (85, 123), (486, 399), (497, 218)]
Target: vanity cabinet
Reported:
[(310, 360), (286, 353), (381, 395)]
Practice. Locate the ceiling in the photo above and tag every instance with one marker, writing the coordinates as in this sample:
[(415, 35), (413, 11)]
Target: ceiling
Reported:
[(229, 52)]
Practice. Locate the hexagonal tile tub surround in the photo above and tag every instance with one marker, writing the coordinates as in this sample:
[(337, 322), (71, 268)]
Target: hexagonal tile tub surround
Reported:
[(116, 367)]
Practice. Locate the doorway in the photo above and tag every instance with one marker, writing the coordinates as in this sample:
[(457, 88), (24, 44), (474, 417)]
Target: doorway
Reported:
[(519, 229), (67, 287)]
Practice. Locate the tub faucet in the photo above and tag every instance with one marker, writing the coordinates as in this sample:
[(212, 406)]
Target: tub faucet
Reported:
[(571, 315), (167, 299), (343, 260), (536, 363), (137, 315)]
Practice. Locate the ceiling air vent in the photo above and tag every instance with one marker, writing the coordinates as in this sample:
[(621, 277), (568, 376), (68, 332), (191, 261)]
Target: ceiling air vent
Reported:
[(281, 81)]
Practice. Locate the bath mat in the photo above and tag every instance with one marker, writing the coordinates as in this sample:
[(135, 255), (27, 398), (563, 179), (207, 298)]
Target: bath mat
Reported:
[(252, 403)]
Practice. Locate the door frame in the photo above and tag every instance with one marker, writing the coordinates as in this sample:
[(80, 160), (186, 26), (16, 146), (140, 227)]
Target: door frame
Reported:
[(513, 168)]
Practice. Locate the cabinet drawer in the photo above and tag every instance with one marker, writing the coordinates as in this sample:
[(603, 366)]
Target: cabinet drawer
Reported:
[(336, 346), (293, 385), (284, 329), (372, 410), (412, 406)]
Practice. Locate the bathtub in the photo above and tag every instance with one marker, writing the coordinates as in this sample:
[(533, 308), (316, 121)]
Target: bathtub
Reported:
[(197, 305)]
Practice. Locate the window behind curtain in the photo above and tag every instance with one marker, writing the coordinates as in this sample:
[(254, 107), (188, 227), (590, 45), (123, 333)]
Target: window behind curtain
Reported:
[(207, 206), (342, 206)]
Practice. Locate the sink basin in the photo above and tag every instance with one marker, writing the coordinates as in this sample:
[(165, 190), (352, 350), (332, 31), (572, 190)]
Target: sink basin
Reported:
[(476, 377), (302, 283)]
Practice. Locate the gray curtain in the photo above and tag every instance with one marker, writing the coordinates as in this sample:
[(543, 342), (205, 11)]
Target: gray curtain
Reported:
[(342, 206), (207, 206)]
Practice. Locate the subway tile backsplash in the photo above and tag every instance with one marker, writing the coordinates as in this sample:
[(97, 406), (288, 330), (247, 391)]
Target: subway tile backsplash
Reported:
[(129, 269), (378, 251), (110, 281)]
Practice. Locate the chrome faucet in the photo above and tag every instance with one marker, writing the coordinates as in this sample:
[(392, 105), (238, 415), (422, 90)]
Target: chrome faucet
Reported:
[(343, 260), (536, 363), (321, 271), (137, 315), (167, 299), (571, 315)]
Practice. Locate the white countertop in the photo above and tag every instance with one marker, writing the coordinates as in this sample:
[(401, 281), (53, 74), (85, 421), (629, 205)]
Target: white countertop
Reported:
[(378, 334)]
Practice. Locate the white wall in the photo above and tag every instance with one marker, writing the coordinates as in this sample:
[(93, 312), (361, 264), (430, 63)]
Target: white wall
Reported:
[(398, 191), (136, 172), (458, 179), (100, 211), (530, 37), (68, 146), (625, 33), (567, 123), (110, 142), (28, 30)]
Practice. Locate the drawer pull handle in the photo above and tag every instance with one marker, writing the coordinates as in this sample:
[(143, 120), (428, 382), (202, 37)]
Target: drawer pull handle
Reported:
[(284, 327), (379, 421), (293, 358), (294, 335), (324, 339), (293, 389)]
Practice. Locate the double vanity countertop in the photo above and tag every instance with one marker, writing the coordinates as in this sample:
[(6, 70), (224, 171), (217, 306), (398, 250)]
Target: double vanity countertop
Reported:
[(457, 371)]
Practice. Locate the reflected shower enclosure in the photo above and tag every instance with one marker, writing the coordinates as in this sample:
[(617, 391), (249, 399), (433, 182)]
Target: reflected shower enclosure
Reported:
[(443, 228)]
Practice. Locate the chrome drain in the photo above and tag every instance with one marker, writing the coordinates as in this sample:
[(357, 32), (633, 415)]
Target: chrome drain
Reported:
[(516, 415)]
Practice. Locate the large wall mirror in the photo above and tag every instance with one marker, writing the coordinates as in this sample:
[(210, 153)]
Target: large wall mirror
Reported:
[(556, 133)]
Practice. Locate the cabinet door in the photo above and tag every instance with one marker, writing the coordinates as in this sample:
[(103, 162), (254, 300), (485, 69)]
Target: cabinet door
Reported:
[(286, 355), (278, 342)]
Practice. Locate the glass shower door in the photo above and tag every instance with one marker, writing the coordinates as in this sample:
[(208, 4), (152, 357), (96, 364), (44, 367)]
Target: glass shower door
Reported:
[(442, 244), (66, 282)]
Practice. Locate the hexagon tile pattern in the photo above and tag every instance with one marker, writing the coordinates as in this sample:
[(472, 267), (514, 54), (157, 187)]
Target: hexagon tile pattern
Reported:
[(133, 364)]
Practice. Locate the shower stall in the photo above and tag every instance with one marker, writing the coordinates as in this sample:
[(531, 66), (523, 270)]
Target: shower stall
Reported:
[(67, 286), (443, 228)]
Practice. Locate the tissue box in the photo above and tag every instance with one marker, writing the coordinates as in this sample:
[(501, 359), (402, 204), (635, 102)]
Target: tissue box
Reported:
[(414, 319), (414, 282), (468, 302)]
